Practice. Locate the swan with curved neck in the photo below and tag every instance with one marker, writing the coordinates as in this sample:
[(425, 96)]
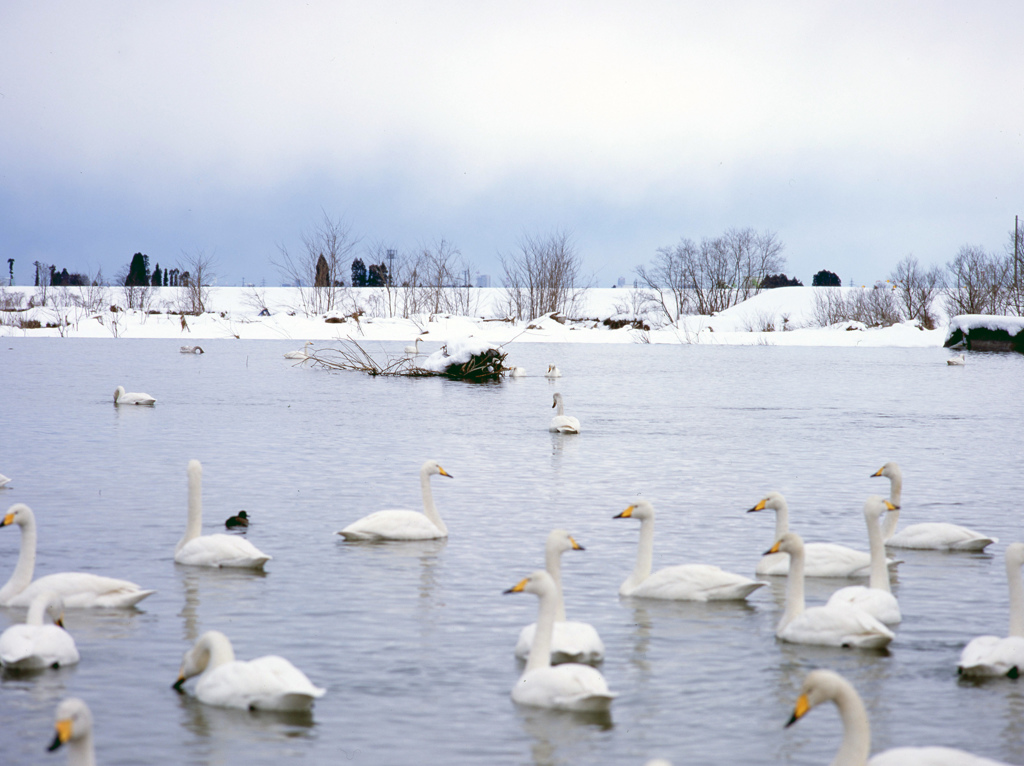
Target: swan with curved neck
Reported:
[(266, 683), (77, 589), (562, 423), (571, 641), (402, 524), (683, 582), (74, 729), (935, 536), (826, 686), (993, 655), (820, 559), (829, 625), (219, 550), (876, 599), (569, 686), (553, 372), (39, 644), (126, 397), (302, 353)]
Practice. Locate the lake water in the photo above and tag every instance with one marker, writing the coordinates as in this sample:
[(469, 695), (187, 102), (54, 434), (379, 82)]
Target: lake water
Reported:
[(413, 642)]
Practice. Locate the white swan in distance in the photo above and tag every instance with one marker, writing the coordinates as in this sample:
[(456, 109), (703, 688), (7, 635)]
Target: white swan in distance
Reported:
[(77, 589), (518, 372), (826, 686), (414, 349), (266, 683), (553, 372), (4, 481), (830, 625), (820, 559), (562, 423), (402, 524), (36, 644), (192, 350), (935, 536), (74, 729), (124, 397), (956, 361), (992, 655), (876, 599), (569, 686), (219, 550), (302, 353), (571, 641), (683, 582)]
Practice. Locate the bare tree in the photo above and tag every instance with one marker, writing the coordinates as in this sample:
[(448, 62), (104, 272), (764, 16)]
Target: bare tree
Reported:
[(667, 279), (916, 290), (874, 307), (543, 276), (319, 269), (136, 295), (194, 294), (977, 282), (444, 275)]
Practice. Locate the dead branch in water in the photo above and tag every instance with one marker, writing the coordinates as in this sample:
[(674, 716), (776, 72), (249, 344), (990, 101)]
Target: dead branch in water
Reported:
[(488, 365)]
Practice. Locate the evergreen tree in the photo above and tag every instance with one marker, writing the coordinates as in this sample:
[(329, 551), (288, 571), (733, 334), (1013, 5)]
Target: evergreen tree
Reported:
[(138, 271), (359, 273), (158, 276), (322, 278), (377, 276), (826, 279)]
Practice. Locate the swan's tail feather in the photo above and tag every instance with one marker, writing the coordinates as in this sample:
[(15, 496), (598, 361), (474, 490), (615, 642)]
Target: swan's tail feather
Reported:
[(587, 703), (976, 545)]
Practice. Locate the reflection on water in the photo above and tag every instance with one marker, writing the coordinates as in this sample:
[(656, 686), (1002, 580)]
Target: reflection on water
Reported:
[(554, 733)]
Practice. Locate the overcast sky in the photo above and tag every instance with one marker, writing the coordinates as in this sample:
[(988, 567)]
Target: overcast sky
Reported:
[(859, 132)]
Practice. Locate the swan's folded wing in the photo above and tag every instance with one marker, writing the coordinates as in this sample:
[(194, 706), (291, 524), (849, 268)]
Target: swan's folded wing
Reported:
[(930, 756), (992, 656), (880, 604), (221, 551), (837, 626), (696, 582), (940, 536), (564, 687), (266, 683), (392, 525), (84, 590), (16, 644), (37, 646), (570, 642)]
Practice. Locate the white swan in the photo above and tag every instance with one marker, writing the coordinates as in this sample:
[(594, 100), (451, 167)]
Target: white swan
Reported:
[(302, 353), (935, 536), (402, 524), (266, 683), (956, 361), (518, 372), (830, 625), (824, 686), (192, 350), (77, 589), (4, 481), (571, 641), (992, 655), (683, 582), (562, 423), (123, 397), (876, 599), (36, 644), (563, 687), (218, 550), (553, 372), (820, 559), (74, 729), (414, 349)]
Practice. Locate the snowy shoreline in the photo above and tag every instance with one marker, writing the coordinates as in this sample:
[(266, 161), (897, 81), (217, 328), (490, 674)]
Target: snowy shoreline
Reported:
[(233, 313)]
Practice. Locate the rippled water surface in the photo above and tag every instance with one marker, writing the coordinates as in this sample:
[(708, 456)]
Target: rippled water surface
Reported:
[(413, 642)]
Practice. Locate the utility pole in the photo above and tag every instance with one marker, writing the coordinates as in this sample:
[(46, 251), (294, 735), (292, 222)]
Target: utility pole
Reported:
[(1016, 255)]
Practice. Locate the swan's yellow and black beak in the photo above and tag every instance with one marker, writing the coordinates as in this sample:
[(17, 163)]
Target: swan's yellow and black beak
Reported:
[(518, 587), (890, 507), (178, 684), (443, 472), (8, 519), (59, 622), (628, 513), (802, 706), (878, 472), (576, 546), (63, 734), (760, 506), (773, 549)]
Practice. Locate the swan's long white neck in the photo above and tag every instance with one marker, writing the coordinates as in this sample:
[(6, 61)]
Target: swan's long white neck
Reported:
[(429, 509), (794, 588), (195, 503), (781, 519), (37, 610), (1013, 578), (856, 744), (217, 648), (540, 651), (560, 407), (892, 519), (644, 557), (553, 564), (80, 750), (26, 566), (879, 570)]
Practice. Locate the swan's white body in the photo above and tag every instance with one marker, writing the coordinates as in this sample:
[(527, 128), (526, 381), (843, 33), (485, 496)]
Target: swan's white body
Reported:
[(934, 536), (125, 397), (192, 350), (830, 625), (992, 655), (266, 683), (683, 582), (218, 550), (76, 589), (301, 354), (4, 481), (518, 372), (74, 729), (414, 349), (553, 372), (824, 686), (570, 641), (562, 687), (820, 559), (956, 361), (562, 423), (402, 524), (876, 599), (37, 644)]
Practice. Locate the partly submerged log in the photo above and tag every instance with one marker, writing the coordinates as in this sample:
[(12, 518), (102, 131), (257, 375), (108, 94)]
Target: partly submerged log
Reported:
[(984, 332), (462, 359)]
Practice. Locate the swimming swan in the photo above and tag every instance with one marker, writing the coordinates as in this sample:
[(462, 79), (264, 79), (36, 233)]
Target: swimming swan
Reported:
[(401, 524), (830, 625), (935, 536), (876, 599), (553, 372), (123, 397), (820, 559), (956, 361), (266, 683), (74, 729), (302, 353), (824, 686), (563, 687), (414, 349), (992, 655), (571, 641), (4, 481), (77, 589), (562, 423), (683, 582), (218, 550), (36, 644)]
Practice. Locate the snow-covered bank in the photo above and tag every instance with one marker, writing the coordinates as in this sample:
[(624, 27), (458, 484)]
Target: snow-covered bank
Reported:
[(783, 316)]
